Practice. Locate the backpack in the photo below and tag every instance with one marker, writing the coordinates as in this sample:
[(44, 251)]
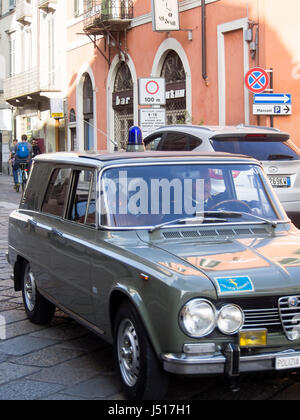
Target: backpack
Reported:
[(22, 150)]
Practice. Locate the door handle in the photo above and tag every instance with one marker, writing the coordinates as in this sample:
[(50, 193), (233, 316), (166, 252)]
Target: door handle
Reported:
[(31, 224), (56, 233)]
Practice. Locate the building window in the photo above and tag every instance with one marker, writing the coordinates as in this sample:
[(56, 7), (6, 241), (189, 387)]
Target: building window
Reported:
[(123, 105), (12, 55), (27, 49), (72, 127), (12, 4), (174, 73), (88, 113), (78, 7), (51, 51)]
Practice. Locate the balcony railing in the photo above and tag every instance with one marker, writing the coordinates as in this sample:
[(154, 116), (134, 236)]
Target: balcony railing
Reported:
[(27, 84), (24, 12), (114, 15), (47, 5)]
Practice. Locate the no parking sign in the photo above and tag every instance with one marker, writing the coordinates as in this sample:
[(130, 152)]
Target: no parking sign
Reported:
[(257, 80)]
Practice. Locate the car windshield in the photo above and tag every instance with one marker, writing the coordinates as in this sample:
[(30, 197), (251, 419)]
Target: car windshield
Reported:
[(151, 195), (261, 148)]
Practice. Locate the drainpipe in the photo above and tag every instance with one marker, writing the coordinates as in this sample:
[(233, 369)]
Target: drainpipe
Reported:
[(203, 26)]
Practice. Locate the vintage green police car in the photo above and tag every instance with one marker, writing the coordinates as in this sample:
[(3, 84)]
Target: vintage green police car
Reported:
[(186, 262)]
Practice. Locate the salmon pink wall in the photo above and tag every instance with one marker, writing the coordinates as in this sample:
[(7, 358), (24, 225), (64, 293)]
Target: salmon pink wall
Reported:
[(279, 35)]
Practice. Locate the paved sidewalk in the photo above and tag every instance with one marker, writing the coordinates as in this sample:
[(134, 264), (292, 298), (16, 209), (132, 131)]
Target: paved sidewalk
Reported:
[(65, 361), (62, 361)]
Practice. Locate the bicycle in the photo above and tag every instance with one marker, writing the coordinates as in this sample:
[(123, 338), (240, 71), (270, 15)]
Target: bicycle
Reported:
[(22, 175)]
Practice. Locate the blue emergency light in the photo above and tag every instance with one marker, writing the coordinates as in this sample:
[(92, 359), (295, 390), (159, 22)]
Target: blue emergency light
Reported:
[(135, 140)]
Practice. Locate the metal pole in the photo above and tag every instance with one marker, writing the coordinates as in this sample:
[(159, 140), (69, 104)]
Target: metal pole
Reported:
[(57, 134), (271, 87), (203, 30)]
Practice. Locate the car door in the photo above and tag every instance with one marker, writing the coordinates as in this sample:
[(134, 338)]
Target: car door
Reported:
[(70, 238)]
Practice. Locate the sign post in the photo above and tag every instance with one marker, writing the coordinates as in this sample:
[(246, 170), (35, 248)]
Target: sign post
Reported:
[(57, 108), (152, 91), (151, 119), (257, 80), (272, 104)]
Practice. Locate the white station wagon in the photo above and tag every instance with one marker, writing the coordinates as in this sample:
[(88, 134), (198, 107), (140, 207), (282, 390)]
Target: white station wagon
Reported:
[(273, 148)]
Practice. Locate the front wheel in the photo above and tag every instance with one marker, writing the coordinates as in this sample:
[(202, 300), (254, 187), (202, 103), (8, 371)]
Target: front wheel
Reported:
[(140, 372), (24, 180), (39, 310)]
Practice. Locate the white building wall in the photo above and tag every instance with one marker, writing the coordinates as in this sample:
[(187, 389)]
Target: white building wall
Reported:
[(6, 22), (40, 48)]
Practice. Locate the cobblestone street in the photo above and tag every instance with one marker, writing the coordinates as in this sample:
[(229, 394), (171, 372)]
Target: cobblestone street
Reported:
[(66, 361)]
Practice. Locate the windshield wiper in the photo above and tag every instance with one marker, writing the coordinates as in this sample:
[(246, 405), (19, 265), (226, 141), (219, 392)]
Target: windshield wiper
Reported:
[(243, 213), (272, 223), (216, 216)]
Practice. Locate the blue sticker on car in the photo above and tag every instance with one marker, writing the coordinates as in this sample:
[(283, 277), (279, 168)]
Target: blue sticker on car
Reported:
[(234, 285)]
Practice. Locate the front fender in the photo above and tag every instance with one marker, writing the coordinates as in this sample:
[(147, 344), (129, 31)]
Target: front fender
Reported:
[(122, 292)]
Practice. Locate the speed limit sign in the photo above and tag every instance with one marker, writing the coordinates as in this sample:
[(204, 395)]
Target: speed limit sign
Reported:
[(152, 91)]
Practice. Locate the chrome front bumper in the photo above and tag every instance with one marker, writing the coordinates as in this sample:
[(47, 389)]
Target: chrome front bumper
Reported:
[(230, 363)]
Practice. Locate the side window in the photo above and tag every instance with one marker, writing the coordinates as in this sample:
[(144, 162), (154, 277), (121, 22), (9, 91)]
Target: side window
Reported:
[(175, 142), (194, 142), (153, 143), (57, 192), (83, 201)]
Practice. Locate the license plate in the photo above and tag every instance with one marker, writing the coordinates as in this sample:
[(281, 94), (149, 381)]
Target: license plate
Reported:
[(280, 181), (290, 362)]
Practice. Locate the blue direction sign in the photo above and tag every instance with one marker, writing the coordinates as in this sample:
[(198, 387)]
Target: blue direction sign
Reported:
[(273, 98)]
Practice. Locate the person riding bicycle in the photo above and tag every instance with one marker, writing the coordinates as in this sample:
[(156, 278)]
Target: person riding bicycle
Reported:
[(23, 151)]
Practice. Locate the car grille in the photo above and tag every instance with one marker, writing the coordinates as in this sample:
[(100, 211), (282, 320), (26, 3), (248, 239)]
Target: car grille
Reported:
[(289, 314), (275, 314), (262, 318)]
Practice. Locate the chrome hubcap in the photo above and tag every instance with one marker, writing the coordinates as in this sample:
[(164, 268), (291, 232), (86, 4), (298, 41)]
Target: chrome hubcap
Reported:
[(128, 352), (29, 290)]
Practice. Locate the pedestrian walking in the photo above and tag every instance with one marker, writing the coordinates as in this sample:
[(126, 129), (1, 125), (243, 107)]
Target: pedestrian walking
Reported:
[(35, 149), (12, 154)]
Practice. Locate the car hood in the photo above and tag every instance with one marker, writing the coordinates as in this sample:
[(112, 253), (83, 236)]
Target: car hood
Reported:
[(260, 265)]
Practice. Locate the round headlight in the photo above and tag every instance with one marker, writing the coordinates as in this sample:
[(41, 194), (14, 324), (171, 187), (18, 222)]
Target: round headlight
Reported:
[(230, 319), (198, 318)]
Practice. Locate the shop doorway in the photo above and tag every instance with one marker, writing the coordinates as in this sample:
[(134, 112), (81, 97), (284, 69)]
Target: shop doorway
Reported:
[(123, 105)]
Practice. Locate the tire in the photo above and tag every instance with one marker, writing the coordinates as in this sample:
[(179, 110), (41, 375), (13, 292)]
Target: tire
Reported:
[(24, 180), (39, 310), (140, 372)]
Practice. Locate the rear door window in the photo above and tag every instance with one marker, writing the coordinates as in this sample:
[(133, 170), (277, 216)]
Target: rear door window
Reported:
[(57, 192), (262, 149), (179, 142), (82, 208)]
